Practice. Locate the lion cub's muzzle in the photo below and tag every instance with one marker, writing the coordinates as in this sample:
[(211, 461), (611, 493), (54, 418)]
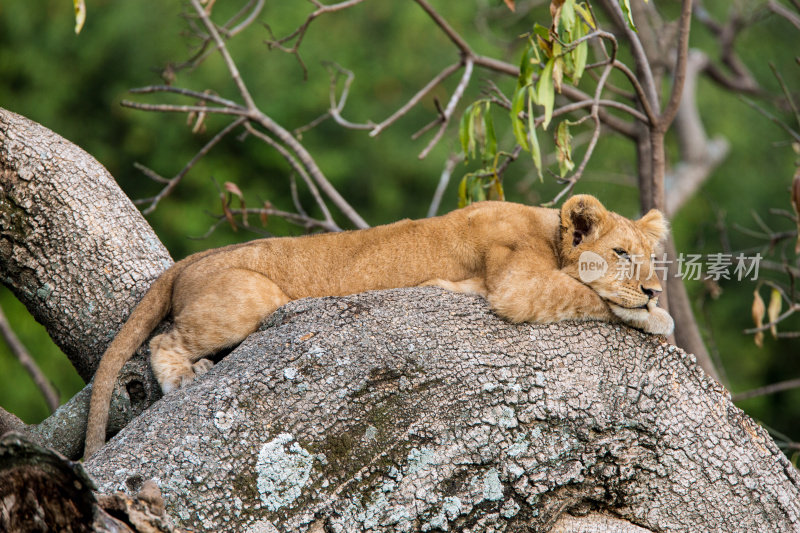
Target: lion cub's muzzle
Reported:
[(652, 294)]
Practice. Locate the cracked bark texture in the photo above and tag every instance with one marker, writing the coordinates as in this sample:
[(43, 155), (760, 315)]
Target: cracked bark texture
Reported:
[(418, 409), (73, 248)]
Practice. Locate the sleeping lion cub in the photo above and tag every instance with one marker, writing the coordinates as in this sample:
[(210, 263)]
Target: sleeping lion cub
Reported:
[(524, 260)]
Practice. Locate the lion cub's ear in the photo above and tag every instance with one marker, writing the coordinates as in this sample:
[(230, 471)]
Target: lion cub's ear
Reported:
[(654, 226), (582, 217)]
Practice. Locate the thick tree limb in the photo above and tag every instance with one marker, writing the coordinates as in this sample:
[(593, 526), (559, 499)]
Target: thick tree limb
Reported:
[(415, 409), (78, 254), (73, 248)]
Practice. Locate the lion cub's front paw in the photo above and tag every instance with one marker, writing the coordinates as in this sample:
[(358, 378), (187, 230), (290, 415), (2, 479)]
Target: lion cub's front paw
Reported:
[(659, 322), (652, 320)]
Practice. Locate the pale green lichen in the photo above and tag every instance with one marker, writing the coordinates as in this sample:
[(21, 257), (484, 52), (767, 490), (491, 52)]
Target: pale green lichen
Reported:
[(519, 446), (508, 418), (420, 459), (44, 291), (283, 470), (492, 488)]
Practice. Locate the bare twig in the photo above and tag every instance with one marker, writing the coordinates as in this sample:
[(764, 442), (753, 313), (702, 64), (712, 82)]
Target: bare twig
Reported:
[(174, 108), (298, 34), (451, 107), (27, 362), (226, 56), (257, 6), (207, 96), (298, 219), (439, 78), (336, 108), (444, 180), (639, 55), (460, 43), (300, 169), (308, 162), (785, 127), (203, 51), (173, 182), (767, 389), (569, 108), (786, 92), (250, 112), (726, 34), (573, 180), (794, 307), (781, 10)]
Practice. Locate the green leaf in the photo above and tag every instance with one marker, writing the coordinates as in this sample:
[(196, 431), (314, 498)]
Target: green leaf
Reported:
[(541, 31), (536, 152), (568, 18), (529, 61), (463, 132), (586, 15), (462, 193), (474, 116), (543, 40), (490, 148), (478, 193), (579, 54), (626, 8), (564, 148), (517, 126), (545, 92)]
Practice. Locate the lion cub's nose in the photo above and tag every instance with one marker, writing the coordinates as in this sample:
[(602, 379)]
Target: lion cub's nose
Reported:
[(651, 293)]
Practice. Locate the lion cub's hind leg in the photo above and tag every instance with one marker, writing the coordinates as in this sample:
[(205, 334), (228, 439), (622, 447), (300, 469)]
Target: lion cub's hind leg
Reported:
[(213, 314), (467, 286)]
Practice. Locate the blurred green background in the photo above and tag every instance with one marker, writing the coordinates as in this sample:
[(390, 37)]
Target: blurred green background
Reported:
[(74, 85)]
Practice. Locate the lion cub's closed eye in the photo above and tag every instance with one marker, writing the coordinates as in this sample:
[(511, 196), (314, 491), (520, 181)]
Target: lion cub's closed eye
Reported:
[(524, 260)]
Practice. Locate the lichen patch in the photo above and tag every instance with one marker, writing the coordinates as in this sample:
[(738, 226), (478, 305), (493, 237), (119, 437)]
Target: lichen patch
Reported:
[(283, 470)]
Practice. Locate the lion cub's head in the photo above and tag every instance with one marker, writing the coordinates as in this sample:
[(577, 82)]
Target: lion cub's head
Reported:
[(610, 253)]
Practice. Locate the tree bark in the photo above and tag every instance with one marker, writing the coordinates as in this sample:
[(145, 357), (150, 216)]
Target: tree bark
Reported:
[(419, 409), (73, 248)]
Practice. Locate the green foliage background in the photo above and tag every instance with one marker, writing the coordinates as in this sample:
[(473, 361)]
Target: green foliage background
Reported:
[(73, 85)]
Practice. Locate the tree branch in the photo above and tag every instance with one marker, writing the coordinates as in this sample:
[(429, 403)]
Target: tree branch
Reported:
[(772, 388), (679, 72), (639, 56), (175, 180), (226, 56), (330, 420), (28, 363), (447, 114)]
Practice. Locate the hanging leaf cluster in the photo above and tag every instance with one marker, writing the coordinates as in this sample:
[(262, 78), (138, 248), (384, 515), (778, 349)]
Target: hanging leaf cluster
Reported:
[(478, 138), (551, 55)]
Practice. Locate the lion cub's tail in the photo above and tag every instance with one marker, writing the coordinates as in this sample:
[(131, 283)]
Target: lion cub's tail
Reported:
[(150, 311)]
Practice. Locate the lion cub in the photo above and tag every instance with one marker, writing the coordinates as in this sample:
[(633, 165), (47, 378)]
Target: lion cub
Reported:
[(524, 260)]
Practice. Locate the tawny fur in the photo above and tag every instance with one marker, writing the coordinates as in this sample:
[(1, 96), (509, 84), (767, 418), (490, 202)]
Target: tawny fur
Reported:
[(523, 260)]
